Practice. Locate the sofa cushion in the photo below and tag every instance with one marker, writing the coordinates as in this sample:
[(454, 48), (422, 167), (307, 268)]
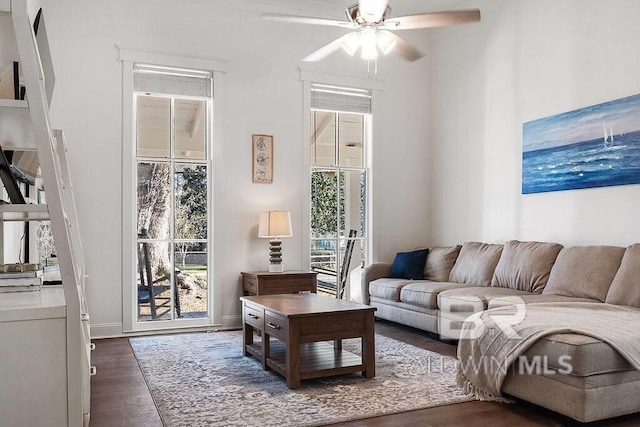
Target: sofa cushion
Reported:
[(625, 288), (440, 261), (387, 288), (525, 266), (586, 355), (533, 299), (476, 263), (425, 294), (409, 265), (584, 271), (472, 299)]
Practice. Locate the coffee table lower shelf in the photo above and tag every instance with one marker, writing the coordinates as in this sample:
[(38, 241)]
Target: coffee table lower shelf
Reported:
[(317, 359)]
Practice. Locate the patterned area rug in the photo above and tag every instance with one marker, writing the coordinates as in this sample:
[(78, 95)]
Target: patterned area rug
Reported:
[(202, 379)]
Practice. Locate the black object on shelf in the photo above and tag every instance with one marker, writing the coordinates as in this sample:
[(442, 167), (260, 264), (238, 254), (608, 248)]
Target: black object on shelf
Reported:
[(8, 180), (16, 80), (36, 22)]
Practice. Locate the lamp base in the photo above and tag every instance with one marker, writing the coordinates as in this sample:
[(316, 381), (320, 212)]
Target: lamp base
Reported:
[(275, 256), (276, 268)]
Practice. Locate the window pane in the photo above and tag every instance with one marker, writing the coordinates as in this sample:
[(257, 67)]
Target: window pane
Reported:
[(153, 126), (190, 129), (190, 201), (324, 262), (191, 275), (351, 138), (324, 204), (154, 199), (357, 259), (154, 281), (323, 138), (352, 204)]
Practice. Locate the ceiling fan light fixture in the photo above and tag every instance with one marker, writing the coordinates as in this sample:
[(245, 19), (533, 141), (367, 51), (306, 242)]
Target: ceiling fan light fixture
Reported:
[(351, 43), (369, 53), (372, 11), (385, 42), (368, 38)]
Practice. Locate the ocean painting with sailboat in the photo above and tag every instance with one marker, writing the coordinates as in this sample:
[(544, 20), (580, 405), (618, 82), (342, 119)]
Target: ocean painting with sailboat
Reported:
[(595, 146)]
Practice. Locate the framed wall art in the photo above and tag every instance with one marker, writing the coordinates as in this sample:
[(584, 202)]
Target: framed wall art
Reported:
[(262, 158), (594, 146)]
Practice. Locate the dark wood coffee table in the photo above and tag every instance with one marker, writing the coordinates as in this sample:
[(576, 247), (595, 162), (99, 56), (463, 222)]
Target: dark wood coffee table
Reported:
[(302, 323)]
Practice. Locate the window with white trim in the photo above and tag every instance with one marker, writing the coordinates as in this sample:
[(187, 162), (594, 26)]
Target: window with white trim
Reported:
[(339, 142), (172, 109)]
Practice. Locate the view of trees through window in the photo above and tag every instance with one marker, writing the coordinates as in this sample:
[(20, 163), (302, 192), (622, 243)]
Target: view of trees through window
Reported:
[(172, 219)]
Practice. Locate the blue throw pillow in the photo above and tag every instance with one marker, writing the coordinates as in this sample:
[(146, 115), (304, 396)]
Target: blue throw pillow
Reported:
[(409, 265)]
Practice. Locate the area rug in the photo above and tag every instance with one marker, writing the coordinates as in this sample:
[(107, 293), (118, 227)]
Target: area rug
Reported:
[(202, 379)]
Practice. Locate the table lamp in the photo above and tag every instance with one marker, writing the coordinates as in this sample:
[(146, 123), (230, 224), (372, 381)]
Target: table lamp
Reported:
[(274, 225)]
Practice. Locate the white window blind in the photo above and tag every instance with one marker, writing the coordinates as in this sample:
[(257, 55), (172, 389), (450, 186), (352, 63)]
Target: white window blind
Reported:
[(172, 81), (343, 99)]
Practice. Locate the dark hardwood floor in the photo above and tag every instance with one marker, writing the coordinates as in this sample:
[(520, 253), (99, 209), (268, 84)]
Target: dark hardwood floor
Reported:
[(120, 397)]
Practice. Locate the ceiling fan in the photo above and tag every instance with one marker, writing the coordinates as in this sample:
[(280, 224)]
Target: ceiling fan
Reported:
[(373, 29)]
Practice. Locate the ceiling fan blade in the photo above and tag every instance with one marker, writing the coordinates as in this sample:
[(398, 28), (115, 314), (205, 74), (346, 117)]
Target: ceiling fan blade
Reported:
[(326, 50), (432, 20), (403, 48), (372, 10), (305, 20)]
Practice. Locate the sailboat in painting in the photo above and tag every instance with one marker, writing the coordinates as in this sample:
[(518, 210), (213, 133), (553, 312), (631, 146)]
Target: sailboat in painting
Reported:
[(608, 139)]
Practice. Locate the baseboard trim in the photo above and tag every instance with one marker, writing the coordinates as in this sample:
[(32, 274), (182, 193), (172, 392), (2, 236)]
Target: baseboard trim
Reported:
[(114, 330), (231, 322), (106, 330)]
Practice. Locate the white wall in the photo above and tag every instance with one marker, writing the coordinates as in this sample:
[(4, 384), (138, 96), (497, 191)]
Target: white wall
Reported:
[(263, 94), (526, 60)]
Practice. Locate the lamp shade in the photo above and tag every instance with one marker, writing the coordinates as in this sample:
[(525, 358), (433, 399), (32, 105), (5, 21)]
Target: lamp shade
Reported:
[(274, 224)]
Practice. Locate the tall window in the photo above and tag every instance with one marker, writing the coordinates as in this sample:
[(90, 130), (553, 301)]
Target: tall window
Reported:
[(172, 108), (340, 129)]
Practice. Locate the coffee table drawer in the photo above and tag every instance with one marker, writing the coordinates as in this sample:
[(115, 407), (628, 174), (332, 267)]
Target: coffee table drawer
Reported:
[(254, 316), (276, 326)]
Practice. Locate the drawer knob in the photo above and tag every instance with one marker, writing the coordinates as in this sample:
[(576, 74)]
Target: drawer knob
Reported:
[(253, 316), (273, 326)]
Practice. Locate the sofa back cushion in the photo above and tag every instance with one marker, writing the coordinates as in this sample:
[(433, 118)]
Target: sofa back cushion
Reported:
[(625, 288), (584, 271), (475, 264), (440, 261), (525, 266)]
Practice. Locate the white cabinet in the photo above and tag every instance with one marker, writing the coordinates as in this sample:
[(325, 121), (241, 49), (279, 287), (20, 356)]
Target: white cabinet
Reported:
[(33, 355)]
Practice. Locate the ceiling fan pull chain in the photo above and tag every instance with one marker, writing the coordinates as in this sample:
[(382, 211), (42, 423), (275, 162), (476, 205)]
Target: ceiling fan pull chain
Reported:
[(375, 67)]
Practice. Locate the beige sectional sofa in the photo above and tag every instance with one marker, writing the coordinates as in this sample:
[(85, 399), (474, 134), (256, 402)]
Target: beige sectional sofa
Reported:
[(464, 279)]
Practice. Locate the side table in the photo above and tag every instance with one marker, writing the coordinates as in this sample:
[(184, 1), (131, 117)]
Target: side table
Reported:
[(288, 282)]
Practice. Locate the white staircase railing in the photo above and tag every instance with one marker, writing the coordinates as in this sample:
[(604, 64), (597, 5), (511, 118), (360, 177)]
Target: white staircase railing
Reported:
[(61, 205)]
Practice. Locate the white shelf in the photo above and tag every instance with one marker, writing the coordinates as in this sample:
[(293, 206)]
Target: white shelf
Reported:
[(48, 303), (16, 127), (13, 103), (24, 212)]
